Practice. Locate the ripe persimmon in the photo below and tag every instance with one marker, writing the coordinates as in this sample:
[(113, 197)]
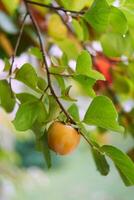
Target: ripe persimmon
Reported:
[(62, 138)]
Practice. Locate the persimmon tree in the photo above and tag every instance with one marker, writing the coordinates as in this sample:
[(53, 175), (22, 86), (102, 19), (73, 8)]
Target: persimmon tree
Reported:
[(105, 76)]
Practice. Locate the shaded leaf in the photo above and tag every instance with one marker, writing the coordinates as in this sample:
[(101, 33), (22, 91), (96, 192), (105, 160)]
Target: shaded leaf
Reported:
[(26, 115), (100, 161), (74, 112), (7, 100)]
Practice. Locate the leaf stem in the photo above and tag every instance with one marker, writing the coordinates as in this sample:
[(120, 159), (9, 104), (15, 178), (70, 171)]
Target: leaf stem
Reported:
[(55, 8)]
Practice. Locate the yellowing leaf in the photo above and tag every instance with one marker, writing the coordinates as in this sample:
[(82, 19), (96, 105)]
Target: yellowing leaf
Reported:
[(56, 28)]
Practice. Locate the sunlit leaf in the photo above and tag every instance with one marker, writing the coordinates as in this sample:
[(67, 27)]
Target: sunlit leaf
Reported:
[(122, 161), (102, 113), (97, 15)]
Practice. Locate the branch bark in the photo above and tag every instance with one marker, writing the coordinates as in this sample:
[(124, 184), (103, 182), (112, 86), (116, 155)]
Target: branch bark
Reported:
[(36, 27)]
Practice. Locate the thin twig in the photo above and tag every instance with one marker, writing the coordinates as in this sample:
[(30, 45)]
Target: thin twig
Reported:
[(16, 47), (87, 140), (65, 75), (36, 27), (44, 93), (55, 8)]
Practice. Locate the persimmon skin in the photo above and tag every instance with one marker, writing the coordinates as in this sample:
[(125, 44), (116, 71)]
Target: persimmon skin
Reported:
[(62, 139)]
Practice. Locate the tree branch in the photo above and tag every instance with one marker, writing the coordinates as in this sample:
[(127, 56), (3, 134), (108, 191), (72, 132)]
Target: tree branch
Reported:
[(16, 47), (36, 27), (55, 8)]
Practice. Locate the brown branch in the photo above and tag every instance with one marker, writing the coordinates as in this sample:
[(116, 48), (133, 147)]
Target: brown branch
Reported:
[(65, 75), (36, 27), (55, 8), (16, 47)]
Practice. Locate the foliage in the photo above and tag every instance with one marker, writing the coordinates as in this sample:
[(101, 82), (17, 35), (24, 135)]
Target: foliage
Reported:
[(73, 27)]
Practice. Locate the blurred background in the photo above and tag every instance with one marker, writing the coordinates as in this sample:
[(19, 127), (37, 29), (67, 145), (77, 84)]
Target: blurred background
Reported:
[(23, 171)]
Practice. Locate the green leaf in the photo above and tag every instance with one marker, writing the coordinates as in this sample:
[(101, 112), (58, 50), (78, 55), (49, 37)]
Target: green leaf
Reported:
[(127, 7), (35, 52), (7, 65), (42, 146), (74, 112), (97, 15), (122, 85), (84, 63), (102, 113), (121, 161), (41, 83), (117, 21), (120, 45), (11, 7), (26, 115), (25, 97), (27, 75), (85, 84), (7, 100), (84, 66), (124, 179), (64, 60), (84, 26), (77, 29), (53, 109), (100, 161), (114, 48), (61, 82), (42, 117), (74, 4), (65, 94), (69, 47)]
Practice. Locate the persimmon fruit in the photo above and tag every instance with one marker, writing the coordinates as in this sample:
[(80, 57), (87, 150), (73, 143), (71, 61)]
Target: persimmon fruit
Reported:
[(62, 138)]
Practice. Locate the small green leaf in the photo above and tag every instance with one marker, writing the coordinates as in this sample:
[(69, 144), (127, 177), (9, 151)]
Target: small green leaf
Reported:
[(35, 52), (122, 85), (122, 162), (64, 60), (117, 21), (86, 84), (27, 75), (53, 109), (100, 162), (102, 113), (41, 83), (57, 69), (116, 47), (42, 117), (84, 63), (69, 47), (97, 16), (61, 82), (25, 97), (7, 65), (84, 66), (84, 26), (42, 146), (7, 100), (26, 115), (65, 94), (74, 112), (77, 29)]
